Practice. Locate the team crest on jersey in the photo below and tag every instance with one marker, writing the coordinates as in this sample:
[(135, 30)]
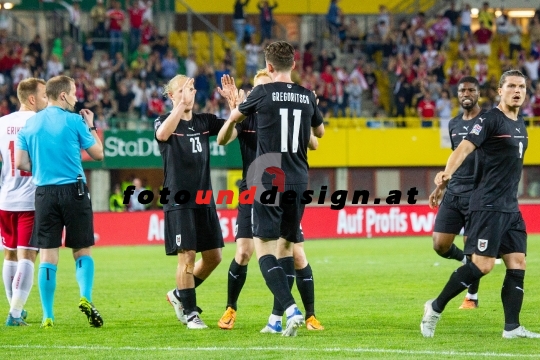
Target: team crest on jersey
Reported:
[(178, 239), (482, 244), (476, 129)]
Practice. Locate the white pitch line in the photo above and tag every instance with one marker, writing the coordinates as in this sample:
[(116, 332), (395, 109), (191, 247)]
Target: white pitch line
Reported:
[(270, 348)]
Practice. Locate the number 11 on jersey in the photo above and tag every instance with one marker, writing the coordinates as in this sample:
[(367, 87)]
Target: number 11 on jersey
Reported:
[(297, 115)]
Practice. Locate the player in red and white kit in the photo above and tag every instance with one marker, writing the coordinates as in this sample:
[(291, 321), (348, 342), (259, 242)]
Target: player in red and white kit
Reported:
[(17, 203)]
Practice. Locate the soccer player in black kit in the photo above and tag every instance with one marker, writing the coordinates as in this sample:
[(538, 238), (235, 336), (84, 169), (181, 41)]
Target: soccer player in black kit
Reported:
[(496, 226), (453, 213), (286, 115), (296, 266), (183, 139)]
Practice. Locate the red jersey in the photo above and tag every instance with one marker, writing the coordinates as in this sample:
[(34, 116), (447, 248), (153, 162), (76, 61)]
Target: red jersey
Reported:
[(483, 36), (136, 17), (426, 109), (117, 18)]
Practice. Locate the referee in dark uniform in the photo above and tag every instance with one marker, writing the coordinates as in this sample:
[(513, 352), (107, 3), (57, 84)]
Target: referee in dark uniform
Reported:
[(496, 226), (50, 147)]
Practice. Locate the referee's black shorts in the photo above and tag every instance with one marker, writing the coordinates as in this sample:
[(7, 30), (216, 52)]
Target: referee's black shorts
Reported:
[(273, 222), (192, 229), (453, 215), (58, 206)]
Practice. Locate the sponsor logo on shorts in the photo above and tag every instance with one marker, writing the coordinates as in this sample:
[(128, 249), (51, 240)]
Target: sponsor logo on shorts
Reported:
[(476, 129), (178, 239), (482, 244)]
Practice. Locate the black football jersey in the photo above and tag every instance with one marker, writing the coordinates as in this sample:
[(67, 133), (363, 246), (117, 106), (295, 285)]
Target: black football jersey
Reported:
[(501, 144), (247, 136), (285, 114), (462, 181), (186, 158)]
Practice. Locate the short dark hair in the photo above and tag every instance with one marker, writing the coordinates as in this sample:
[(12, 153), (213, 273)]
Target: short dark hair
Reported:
[(28, 87), (508, 73), (469, 79), (280, 54), (58, 85)]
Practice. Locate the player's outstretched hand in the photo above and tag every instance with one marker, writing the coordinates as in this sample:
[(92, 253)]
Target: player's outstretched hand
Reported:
[(442, 178), (229, 91), (435, 197), (188, 94), (88, 117)]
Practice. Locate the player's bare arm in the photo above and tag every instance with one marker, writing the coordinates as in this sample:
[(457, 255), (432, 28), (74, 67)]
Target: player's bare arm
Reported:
[(454, 161), (318, 131), (22, 160), (227, 133), (313, 142), (95, 151), (184, 105)]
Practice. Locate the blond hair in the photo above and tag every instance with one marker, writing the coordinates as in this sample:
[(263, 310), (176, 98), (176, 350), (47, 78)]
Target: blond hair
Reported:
[(261, 73), (172, 84), (28, 87), (57, 85)]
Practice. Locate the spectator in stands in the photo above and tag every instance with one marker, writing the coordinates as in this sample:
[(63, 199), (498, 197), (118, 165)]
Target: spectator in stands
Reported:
[(116, 200), (202, 83), (191, 66), (74, 19), (535, 101), (140, 101), (441, 30), (161, 46), (169, 65), (426, 110), (453, 16), (108, 104), (532, 67), (116, 18), (134, 204), (36, 50), (467, 47), (98, 13), (481, 70), (444, 109), (249, 31), (88, 50), (153, 68), (534, 31), (373, 42), (267, 19), (483, 40), (514, 37), (136, 12), (485, 16), (383, 21), (502, 24), (465, 21), (54, 67), (253, 52), (332, 18), (100, 121), (239, 20), (156, 105), (124, 99), (355, 90), (354, 35)]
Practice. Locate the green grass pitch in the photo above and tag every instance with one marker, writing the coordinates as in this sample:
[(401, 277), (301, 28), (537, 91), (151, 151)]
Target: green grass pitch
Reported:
[(369, 296)]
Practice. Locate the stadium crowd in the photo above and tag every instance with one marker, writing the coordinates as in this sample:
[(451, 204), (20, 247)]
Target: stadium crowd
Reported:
[(403, 67)]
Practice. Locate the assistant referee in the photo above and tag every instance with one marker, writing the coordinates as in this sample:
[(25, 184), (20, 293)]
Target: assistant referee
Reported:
[(49, 146)]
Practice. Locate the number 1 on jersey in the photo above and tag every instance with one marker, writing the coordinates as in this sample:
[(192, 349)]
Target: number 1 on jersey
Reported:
[(520, 149), (12, 160), (297, 115)]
